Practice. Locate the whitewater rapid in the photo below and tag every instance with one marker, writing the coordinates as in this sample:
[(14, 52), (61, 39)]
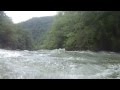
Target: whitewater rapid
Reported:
[(59, 64)]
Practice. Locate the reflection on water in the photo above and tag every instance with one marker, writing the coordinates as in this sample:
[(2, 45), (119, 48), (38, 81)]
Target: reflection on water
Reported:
[(59, 64)]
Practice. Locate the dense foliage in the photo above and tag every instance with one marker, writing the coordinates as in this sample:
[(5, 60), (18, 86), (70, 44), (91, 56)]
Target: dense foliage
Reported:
[(72, 30), (11, 36), (85, 30), (38, 28)]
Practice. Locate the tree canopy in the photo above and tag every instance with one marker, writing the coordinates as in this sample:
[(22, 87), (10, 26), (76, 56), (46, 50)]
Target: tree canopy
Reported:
[(85, 30), (72, 30), (11, 36)]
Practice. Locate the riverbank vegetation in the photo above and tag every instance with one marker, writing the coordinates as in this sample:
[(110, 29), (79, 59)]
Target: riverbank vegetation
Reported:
[(72, 30), (85, 30)]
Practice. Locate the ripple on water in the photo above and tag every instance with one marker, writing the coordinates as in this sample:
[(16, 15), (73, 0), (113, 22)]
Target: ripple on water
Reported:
[(59, 64)]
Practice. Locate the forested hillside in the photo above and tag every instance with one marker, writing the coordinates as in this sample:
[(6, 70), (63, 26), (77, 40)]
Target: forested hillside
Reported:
[(38, 28), (72, 30), (11, 36), (85, 30)]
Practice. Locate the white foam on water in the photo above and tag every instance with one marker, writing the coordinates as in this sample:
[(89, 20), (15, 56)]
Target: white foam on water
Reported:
[(8, 53), (41, 64)]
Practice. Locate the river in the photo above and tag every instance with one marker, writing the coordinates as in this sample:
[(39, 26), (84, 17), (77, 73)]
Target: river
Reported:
[(59, 64)]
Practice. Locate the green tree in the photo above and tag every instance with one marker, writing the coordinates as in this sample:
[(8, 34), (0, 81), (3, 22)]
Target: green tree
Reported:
[(85, 30)]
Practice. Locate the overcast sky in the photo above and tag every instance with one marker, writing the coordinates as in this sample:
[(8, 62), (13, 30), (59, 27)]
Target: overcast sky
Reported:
[(19, 16)]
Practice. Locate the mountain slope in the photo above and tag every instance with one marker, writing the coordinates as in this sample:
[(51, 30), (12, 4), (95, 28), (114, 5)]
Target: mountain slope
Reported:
[(38, 26)]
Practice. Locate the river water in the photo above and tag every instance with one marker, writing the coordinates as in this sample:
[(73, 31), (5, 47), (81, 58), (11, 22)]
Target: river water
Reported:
[(59, 64)]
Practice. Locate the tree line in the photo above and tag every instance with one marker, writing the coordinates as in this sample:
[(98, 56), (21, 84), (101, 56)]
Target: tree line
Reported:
[(85, 30), (72, 30), (11, 36)]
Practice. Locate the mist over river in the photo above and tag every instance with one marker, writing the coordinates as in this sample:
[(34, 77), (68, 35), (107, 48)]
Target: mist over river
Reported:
[(59, 64)]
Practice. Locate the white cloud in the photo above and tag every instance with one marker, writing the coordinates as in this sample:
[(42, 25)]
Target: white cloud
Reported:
[(19, 16)]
